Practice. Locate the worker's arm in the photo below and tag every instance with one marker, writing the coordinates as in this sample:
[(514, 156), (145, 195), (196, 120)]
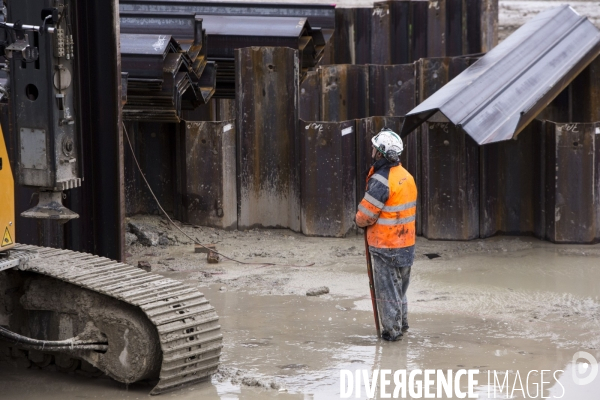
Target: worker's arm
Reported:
[(371, 205)]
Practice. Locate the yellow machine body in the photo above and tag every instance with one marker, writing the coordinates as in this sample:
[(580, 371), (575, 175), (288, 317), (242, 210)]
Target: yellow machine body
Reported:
[(7, 199)]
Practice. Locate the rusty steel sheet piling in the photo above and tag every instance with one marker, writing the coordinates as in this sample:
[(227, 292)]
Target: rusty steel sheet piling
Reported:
[(436, 29), (512, 185), (572, 181), (267, 119), (481, 33), (419, 30), (344, 92), (449, 183), (456, 31), (310, 97), (154, 147), (408, 30), (391, 89), (342, 41), (585, 94), (207, 173), (328, 177), (362, 35), (449, 178), (381, 38)]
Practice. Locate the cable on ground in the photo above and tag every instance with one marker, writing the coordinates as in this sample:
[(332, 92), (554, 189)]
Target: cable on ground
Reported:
[(180, 230)]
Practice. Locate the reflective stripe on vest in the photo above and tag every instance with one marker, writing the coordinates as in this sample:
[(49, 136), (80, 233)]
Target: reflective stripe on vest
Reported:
[(401, 221), (401, 207)]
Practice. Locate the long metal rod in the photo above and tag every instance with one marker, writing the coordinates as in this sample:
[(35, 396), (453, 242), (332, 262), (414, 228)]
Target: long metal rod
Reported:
[(60, 345), (372, 285)]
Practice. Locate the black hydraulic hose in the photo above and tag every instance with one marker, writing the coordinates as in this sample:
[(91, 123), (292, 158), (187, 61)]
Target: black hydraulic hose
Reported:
[(58, 345)]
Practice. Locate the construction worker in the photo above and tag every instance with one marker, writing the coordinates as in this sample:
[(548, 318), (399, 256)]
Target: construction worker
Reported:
[(388, 212)]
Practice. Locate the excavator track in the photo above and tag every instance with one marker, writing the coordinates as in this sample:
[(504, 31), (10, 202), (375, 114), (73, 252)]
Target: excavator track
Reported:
[(187, 325)]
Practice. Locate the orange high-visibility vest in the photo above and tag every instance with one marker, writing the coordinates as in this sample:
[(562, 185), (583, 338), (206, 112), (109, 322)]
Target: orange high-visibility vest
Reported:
[(390, 224)]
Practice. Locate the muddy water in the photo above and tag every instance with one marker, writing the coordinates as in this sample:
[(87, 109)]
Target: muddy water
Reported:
[(525, 310)]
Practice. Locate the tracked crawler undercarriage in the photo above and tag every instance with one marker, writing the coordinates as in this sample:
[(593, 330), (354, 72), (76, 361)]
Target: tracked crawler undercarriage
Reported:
[(155, 327)]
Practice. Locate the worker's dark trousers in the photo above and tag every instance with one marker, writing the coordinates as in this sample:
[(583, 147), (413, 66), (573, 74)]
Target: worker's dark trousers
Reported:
[(391, 275)]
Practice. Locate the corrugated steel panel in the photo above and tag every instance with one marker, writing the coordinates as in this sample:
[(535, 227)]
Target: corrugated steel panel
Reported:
[(449, 176), (207, 174), (481, 26), (381, 38), (344, 92), (267, 120), (512, 185), (436, 29), (488, 100), (328, 177), (572, 181), (391, 89), (310, 97)]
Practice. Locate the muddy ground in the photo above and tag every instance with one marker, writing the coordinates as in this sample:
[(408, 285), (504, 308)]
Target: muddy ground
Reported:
[(505, 303)]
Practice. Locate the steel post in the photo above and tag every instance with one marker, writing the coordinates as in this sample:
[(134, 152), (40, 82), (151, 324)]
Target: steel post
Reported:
[(207, 173), (328, 177), (344, 92), (267, 119), (572, 179), (512, 185), (391, 89)]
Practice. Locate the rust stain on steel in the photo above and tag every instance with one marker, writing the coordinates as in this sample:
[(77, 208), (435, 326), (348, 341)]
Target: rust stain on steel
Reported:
[(488, 25), (267, 119), (449, 181), (208, 173), (512, 185), (310, 97), (456, 30), (572, 181), (436, 29), (381, 39), (154, 146), (344, 92), (585, 94), (391, 90), (328, 177)]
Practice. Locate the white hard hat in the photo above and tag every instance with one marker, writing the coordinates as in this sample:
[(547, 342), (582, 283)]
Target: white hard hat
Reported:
[(388, 143)]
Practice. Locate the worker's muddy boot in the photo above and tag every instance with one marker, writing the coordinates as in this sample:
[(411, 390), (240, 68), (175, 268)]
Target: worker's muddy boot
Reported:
[(387, 336)]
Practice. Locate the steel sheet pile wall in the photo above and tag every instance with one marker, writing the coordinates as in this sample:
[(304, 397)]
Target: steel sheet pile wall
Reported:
[(207, 193), (267, 119), (154, 147), (449, 181), (344, 92), (512, 185), (572, 182), (328, 177), (400, 32), (391, 89)]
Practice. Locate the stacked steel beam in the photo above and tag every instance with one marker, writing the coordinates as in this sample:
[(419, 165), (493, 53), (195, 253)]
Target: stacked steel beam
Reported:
[(165, 59), (232, 26)]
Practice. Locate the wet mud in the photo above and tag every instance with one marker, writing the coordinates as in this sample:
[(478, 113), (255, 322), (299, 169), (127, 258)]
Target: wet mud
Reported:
[(504, 304)]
